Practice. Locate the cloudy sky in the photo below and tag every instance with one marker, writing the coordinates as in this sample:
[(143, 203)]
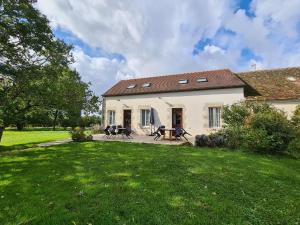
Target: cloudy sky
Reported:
[(119, 39)]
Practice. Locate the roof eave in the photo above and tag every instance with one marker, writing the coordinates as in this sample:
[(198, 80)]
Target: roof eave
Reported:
[(173, 91)]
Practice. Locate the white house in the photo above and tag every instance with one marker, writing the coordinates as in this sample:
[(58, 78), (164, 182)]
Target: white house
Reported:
[(194, 101)]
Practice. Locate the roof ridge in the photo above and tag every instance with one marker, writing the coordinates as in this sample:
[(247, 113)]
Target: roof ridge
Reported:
[(177, 74), (276, 69)]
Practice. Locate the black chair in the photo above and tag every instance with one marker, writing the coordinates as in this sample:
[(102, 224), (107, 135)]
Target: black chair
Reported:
[(128, 132), (106, 131), (184, 133), (159, 132), (120, 131), (112, 131), (178, 133)]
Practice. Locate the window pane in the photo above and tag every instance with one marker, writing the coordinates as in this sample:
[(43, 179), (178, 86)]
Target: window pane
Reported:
[(111, 117), (214, 116), (145, 117)]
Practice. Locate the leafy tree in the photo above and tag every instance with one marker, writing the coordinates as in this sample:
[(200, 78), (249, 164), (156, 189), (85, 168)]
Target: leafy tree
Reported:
[(34, 73)]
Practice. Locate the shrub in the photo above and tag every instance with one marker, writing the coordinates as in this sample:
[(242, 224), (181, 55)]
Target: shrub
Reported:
[(234, 136), (273, 130), (78, 134), (256, 140), (213, 140), (293, 148), (236, 115), (216, 139), (202, 140), (97, 129), (296, 119), (257, 127)]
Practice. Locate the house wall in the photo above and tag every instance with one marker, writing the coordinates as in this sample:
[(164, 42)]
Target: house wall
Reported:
[(195, 106), (287, 106)]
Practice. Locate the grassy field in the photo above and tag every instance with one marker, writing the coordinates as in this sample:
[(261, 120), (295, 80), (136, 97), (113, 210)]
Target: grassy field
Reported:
[(13, 139), (123, 183)]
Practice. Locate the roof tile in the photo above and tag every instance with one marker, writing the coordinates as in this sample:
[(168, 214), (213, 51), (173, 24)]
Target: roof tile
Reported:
[(169, 83)]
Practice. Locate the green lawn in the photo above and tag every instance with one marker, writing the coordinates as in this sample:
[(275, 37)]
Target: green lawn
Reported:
[(123, 183), (13, 139)]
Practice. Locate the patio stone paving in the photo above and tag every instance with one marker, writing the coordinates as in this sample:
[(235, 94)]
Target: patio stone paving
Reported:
[(140, 139)]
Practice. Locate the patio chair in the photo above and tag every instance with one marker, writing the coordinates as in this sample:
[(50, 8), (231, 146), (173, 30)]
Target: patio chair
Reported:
[(128, 132), (112, 131), (120, 131), (159, 132), (107, 133), (178, 133), (184, 133)]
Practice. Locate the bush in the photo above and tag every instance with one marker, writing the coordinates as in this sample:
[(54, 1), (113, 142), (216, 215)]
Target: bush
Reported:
[(296, 119), (202, 140), (234, 137), (236, 115), (213, 140), (256, 140), (273, 130), (217, 139), (293, 148), (257, 127), (78, 134)]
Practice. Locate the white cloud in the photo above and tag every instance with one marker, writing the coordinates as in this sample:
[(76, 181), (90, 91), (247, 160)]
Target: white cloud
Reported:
[(100, 71), (159, 37)]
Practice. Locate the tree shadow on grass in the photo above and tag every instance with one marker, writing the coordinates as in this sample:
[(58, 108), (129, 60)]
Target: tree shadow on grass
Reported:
[(19, 146)]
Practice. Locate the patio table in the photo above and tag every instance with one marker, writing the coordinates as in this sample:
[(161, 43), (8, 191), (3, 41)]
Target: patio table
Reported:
[(170, 131)]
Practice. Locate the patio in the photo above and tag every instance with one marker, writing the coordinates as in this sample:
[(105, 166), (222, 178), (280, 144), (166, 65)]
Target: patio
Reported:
[(141, 139)]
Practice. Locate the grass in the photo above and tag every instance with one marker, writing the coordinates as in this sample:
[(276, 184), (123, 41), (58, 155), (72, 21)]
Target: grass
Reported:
[(124, 183), (13, 139)]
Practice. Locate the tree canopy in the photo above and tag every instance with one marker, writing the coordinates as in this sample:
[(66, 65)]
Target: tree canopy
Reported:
[(34, 69)]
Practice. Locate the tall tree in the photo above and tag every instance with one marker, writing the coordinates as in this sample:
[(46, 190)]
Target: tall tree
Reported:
[(34, 71)]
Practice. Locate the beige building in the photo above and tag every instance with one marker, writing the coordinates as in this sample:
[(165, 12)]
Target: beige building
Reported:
[(194, 101)]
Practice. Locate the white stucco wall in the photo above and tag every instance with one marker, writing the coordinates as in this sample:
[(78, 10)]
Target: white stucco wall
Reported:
[(195, 106), (288, 106)]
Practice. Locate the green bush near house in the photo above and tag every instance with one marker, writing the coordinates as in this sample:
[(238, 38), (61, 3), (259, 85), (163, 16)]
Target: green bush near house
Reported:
[(293, 148), (259, 127)]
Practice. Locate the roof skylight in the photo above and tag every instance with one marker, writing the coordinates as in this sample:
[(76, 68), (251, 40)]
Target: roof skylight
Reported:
[(131, 86), (202, 79), (146, 84), (182, 81), (290, 78)]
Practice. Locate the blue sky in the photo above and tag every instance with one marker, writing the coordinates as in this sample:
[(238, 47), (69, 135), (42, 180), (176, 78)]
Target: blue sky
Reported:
[(122, 39)]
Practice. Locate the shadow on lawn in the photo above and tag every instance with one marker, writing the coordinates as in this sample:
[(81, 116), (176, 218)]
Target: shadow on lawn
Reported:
[(19, 146), (134, 184)]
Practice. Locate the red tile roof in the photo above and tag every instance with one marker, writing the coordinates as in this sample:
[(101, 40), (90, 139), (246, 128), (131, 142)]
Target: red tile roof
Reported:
[(217, 79), (272, 84)]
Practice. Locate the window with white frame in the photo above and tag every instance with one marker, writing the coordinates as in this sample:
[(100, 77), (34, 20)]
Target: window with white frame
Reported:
[(111, 117), (214, 117), (145, 117)]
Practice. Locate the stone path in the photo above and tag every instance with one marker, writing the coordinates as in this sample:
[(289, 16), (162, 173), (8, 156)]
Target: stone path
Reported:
[(52, 143)]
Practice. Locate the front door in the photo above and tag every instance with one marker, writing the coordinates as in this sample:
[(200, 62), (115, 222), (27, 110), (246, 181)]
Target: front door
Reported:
[(177, 118), (127, 118)]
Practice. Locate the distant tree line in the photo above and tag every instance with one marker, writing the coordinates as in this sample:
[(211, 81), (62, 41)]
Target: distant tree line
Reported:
[(37, 86)]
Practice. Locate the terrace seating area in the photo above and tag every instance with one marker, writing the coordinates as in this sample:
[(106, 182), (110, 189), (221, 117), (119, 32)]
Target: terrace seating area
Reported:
[(117, 131), (163, 135)]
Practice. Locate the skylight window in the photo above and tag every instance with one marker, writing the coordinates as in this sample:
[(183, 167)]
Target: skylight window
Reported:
[(290, 78), (201, 79), (146, 84), (131, 86), (182, 81)]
